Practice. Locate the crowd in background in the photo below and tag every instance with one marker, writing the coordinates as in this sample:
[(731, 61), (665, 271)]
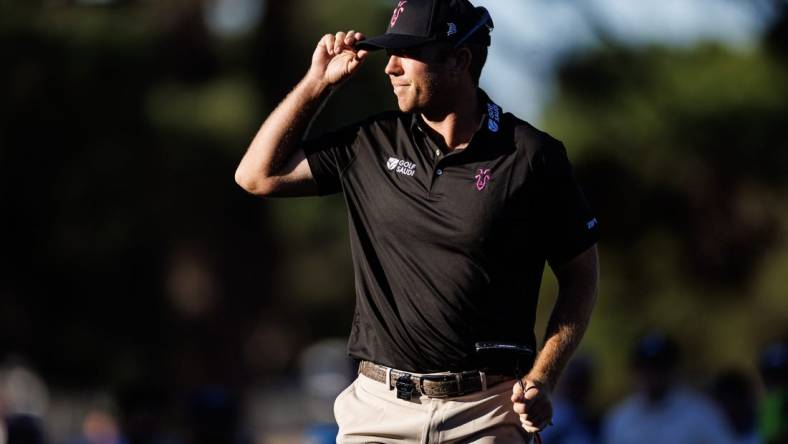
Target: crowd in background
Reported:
[(733, 406)]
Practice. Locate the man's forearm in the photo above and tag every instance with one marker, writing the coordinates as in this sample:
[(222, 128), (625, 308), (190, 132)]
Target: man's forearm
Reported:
[(564, 333), (569, 319), (281, 132)]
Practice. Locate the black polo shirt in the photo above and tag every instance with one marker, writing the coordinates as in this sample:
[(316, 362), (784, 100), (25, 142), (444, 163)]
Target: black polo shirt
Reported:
[(449, 250)]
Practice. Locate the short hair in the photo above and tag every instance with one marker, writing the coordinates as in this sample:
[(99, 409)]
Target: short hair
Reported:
[(478, 57), (478, 42)]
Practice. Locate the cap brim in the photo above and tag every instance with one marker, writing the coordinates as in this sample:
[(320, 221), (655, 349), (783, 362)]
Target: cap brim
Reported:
[(392, 41)]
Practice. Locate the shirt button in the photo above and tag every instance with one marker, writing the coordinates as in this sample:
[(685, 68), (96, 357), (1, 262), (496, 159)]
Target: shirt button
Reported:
[(439, 172), (437, 153)]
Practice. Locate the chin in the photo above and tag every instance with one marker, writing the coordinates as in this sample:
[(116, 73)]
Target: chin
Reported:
[(405, 106)]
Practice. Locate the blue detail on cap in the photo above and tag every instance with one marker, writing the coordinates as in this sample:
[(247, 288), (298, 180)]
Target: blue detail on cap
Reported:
[(485, 20), (591, 223)]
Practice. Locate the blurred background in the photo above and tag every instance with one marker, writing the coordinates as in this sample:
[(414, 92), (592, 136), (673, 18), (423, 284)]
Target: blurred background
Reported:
[(145, 298)]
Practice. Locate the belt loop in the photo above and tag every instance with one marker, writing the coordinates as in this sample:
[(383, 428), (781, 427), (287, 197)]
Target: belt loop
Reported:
[(459, 383), (483, 378), (388, 378)]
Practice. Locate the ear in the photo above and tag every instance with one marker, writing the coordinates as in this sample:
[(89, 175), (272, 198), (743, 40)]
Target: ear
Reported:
[(461, 62)]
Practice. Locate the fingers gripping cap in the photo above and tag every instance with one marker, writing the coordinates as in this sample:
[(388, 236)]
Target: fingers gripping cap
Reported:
[(416, 22)]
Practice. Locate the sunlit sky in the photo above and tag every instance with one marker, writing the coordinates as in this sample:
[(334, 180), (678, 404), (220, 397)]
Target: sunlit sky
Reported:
[(532, 36)]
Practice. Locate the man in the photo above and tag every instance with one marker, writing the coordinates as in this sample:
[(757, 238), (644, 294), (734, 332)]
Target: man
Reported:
[(663, 409), (453, 207)]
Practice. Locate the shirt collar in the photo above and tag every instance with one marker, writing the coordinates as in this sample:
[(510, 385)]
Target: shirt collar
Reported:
[(490, 123), (493, 113)]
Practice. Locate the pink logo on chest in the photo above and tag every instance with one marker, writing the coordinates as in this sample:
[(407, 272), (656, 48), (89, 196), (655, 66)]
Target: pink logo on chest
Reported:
[(482, 178), (397, 11)]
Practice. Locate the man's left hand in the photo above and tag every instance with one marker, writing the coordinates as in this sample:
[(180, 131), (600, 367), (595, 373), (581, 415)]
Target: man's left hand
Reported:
[(533, 406)]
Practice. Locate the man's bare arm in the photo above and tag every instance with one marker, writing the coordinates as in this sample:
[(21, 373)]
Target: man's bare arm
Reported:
[(577, 281), (274, 165)]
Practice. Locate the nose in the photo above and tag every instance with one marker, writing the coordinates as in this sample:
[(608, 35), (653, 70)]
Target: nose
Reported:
[(394, 67)]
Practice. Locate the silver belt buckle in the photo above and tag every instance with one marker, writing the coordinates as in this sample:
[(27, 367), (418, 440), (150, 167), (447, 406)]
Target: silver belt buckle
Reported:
[(442, 392)]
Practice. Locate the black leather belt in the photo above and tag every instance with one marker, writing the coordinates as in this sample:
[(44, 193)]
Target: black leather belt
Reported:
[(433, 385)]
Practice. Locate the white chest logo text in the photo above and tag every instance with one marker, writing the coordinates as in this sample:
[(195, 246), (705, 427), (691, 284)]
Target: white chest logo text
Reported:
[(401, 166)]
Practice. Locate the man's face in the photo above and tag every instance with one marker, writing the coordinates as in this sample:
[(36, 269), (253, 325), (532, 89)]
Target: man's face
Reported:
[(418, 76)]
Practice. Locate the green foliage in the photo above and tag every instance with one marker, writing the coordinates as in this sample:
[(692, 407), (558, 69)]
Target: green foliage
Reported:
[(226, 108), (316, 270), (683, 154)]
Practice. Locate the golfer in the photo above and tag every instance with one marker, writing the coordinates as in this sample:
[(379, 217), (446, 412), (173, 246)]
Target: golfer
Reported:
[(454, 207)]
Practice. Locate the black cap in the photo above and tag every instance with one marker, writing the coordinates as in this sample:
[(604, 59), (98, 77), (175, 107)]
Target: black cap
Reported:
[(416, 22)]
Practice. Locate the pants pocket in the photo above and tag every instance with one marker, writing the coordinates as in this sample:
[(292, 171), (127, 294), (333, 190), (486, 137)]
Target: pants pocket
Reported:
[(338, 409)]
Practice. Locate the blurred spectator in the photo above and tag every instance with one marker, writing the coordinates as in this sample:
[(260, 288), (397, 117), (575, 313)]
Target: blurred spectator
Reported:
[(572, 422), (25, 429), (213, 415), (22, 391), (23, 402), (3, 431), (100, 427), (321, 434), (142, 414), (663, 410), (773, 420), (325, 370), (734, 393)]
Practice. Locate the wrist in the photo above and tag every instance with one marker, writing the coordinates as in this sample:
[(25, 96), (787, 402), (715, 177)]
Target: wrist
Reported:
[(539, 379), (314, 85)]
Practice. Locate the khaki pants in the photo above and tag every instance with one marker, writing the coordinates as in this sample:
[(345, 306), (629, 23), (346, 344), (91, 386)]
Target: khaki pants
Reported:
[(367, 412)]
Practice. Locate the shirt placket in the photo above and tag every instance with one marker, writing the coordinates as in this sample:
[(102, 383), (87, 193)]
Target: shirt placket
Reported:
[(440, 160), (440, 170), (435, 154)]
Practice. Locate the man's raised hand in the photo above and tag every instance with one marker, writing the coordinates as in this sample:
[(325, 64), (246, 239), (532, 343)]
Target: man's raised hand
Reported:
[(335, 58)]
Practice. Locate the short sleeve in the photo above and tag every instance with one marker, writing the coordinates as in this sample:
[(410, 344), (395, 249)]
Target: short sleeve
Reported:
[(568, 223), (329, 156)]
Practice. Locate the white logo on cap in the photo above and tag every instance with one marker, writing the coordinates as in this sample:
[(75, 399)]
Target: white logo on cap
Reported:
[(452, 29)]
